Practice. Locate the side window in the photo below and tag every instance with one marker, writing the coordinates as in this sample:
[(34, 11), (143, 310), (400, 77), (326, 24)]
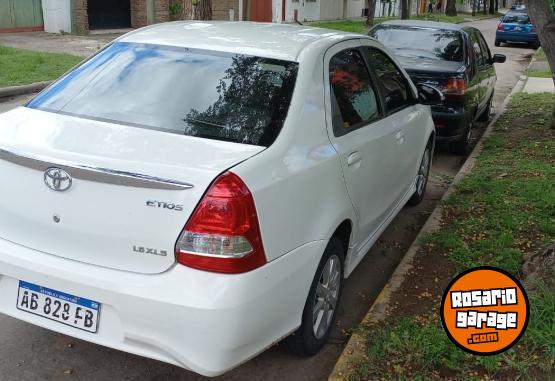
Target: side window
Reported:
[(486, 55), (354, 101), (478, 51), (392, 82)]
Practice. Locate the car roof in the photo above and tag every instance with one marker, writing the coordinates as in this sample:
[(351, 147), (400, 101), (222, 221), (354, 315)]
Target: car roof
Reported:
[(270, 40), (424, 24)]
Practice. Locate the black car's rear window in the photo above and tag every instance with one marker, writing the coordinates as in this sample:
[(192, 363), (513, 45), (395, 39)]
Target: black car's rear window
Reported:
[(213, 95), (420, 42), (516, 18)]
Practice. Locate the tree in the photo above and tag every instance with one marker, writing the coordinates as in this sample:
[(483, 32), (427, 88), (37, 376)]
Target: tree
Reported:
[(405, 10), (202, 9), (542, 17), (491, 7), (371, 11), (451, 8)]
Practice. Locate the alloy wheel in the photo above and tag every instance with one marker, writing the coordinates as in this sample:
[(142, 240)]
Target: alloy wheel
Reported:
[(326, 296), (423, 171)]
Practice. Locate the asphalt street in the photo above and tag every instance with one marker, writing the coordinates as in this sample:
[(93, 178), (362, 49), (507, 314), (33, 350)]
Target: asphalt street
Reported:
[(32, 353)]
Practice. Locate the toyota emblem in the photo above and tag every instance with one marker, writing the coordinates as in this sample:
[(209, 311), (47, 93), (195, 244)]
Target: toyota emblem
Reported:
[(57, 179)]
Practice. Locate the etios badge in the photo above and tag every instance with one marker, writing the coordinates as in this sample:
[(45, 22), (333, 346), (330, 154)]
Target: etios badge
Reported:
[(57, 179)]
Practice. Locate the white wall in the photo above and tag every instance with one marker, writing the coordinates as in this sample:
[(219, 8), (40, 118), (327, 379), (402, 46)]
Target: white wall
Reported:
[(354, 8), (331, 9), (308, 10), (56, 16)]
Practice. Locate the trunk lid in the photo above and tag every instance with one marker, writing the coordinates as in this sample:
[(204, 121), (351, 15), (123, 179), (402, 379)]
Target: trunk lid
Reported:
[(132, 189), (517, 27), (433, 72)]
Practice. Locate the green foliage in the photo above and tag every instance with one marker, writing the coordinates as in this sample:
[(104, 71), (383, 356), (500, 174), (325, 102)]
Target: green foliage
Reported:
[(176, 8), (504, 208), (361, 27), (21, 67)]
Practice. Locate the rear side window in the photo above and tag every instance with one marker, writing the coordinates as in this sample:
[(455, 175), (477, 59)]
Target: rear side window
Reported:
[(393, 84), (520, 18), (354, 100), (213, 95)]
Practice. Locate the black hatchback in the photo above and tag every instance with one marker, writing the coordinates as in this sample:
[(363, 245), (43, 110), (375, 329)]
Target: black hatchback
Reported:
[(453, 58)]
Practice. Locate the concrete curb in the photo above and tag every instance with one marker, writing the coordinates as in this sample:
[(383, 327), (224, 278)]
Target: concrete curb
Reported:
[(24, 89), (354, 351)]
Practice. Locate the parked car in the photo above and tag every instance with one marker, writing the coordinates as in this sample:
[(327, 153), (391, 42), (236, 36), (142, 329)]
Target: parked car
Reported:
[(453, 58), (518, 8), (517, 27), (198, 191)]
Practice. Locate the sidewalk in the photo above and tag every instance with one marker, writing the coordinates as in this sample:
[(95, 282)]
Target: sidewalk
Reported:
[(82, 46), (539, 85)]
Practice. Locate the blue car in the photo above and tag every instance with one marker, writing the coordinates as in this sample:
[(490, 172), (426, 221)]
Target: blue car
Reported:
[(517, 27)]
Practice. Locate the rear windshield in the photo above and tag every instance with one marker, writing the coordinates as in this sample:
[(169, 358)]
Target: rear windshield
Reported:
[(520, 18), (427, 43), (207, 94)]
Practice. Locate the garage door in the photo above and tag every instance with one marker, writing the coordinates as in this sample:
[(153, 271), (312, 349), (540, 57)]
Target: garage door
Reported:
[(107, 14), (20, 15), (261, 10)]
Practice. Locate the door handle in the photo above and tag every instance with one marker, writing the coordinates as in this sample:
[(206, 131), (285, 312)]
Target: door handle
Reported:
[(354, 160)]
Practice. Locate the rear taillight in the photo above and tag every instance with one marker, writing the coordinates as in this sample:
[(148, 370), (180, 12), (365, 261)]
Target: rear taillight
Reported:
[(223, 234), (454, 87), (533, 30), (500, 27)]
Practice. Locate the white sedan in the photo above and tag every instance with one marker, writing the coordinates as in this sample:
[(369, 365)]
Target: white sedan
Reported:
[(198, 191)]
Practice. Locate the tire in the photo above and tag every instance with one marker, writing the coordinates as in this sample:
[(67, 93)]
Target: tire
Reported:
[(535, 45), (308, 340), (423, 175), (462, 146), (486, 114), (497, 42)]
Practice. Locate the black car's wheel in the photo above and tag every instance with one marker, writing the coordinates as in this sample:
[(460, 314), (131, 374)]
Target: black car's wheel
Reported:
[(535, 45), (322, 303), (423, 175), (486, 114), (462, 146), (497, 42)]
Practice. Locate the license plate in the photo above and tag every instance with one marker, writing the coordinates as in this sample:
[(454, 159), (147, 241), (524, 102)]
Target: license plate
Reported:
[(517, 29), (64, 308)]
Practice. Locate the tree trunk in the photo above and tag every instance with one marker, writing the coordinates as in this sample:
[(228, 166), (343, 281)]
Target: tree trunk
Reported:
[(451, 8), (371, 11), (203, 10), (474, 7), (543, 19), (405, 12), (491, 7), (496, 6), (187, 10)]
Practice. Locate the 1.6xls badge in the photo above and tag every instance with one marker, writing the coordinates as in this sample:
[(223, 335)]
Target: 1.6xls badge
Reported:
[(485, 310)]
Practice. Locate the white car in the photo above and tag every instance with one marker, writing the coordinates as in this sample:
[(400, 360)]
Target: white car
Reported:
[(198, 191)]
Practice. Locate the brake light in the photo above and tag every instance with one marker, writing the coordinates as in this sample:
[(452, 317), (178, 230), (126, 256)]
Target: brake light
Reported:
[(534, 30), (223, 234), (454, 87), (500, 27)]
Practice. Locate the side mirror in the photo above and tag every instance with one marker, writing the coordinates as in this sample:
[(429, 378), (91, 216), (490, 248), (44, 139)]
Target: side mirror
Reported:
[(429, 95), (498, 58)]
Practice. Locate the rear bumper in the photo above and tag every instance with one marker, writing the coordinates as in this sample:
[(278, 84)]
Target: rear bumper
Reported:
[(516, 36), (205, 322), (450, 126)]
